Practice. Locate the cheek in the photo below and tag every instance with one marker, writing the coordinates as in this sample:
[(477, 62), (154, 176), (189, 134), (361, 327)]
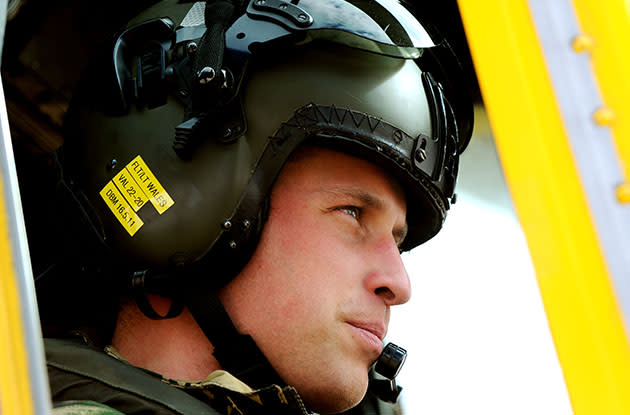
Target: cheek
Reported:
[(303, 267), (311, 240), (306, 271)]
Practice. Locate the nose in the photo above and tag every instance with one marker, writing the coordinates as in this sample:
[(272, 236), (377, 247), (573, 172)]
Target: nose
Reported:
[(388, 278)]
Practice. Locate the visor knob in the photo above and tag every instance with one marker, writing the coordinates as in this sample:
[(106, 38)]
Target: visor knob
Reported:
[(206, 75), (191, 48)]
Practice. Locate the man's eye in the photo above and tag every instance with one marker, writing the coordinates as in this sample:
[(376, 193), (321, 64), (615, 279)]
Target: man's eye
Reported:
[(353, 211)]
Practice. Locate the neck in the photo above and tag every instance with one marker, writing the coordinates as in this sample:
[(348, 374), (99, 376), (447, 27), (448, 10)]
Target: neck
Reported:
[(175, 347)]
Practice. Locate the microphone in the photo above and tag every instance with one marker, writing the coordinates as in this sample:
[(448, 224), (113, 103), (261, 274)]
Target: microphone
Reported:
[(388, 365)]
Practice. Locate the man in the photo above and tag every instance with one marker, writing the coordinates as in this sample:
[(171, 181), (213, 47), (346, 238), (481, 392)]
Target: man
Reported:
[(336, 222), (253, 172)]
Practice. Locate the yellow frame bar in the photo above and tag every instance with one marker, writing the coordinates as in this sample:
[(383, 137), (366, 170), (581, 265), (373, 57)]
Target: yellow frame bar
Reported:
[(15, 390), (23, 378), (580, 302)]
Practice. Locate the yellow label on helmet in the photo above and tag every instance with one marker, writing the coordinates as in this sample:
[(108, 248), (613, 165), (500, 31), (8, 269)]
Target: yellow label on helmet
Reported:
[(121, 209), (149, 184), (130, 189)]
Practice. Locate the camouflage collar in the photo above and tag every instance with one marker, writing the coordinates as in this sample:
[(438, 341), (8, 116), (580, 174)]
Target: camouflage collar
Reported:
[(229, 395)]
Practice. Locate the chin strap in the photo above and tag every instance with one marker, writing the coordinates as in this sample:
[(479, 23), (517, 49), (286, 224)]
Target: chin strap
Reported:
[(139, 284), (237, 353)]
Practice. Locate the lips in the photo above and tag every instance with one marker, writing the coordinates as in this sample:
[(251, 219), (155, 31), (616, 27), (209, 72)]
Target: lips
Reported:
[(370, 335), (376, 329)]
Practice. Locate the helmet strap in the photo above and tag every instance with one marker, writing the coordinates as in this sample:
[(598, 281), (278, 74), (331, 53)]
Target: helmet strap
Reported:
[(140, 284), (210, 81), (237, 353), (147, 309)]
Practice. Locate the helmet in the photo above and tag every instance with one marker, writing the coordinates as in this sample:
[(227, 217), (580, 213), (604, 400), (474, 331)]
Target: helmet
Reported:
[(180, 171), (179, 129)]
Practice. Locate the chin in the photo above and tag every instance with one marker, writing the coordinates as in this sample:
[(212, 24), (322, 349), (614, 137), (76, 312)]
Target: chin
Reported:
[(338, 395)]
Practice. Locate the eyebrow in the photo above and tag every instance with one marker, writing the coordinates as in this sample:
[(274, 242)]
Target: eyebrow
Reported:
[(369, 200)]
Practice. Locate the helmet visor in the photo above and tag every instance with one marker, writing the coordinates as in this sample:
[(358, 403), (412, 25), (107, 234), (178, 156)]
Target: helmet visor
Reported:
[(380, 26)]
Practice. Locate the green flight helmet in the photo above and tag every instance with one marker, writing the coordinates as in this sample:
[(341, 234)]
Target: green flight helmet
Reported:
[(179, 129)]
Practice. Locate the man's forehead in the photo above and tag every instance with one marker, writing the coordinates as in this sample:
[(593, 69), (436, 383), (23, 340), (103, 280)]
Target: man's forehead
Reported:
[(355, 175)]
